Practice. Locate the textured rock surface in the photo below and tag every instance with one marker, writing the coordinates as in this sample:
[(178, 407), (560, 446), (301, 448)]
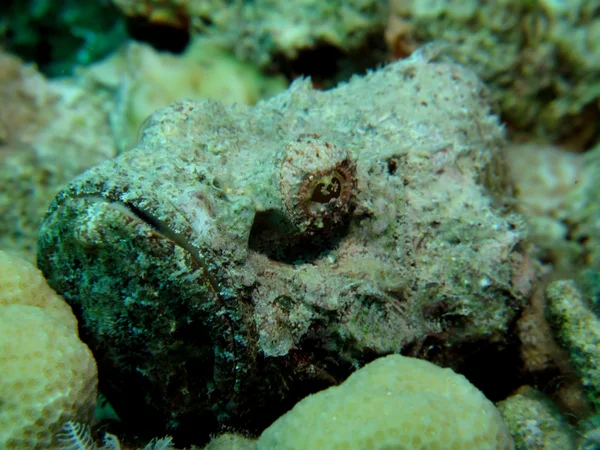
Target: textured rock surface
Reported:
[(535, 422), (214, 278), (229, 441), (540, 58), (556, 191), (577, 329), (262, 29), (50, 131)]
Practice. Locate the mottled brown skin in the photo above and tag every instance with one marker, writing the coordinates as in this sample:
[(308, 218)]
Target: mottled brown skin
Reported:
[(208, 303)]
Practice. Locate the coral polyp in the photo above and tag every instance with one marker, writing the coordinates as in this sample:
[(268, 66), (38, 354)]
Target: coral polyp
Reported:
[(316, 180)]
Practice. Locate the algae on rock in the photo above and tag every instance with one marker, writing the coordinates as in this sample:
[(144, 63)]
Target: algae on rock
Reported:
[(541, 58), (261, 30), (577, 329), (535, 422)]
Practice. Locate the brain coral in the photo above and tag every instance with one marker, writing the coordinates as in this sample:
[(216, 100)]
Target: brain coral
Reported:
[(48, 375), (395, 402)]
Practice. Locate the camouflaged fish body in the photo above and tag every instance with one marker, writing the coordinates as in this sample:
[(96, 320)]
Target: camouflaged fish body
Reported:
[(242, 256)]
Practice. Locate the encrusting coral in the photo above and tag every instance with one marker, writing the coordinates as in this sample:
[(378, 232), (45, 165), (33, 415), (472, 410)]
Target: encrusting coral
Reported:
[(535, 422), (48, 375), (546, 361), (577, 329)]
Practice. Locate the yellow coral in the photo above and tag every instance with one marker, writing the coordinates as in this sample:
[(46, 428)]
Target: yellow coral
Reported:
[(48, 375), (393, 403)]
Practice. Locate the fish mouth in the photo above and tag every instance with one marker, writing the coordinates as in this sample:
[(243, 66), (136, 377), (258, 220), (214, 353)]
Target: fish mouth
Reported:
[(143, 294)]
